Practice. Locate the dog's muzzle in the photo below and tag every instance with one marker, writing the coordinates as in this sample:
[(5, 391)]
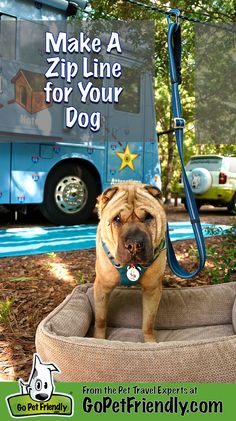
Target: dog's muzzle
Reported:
[(134, 246)]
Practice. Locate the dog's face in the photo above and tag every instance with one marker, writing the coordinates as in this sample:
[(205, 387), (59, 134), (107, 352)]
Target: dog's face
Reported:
[(40, 387), (132, 222)]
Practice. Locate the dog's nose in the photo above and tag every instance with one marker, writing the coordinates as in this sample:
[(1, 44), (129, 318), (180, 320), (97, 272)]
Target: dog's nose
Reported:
[(134, 240), (134, 246), (41, 396)]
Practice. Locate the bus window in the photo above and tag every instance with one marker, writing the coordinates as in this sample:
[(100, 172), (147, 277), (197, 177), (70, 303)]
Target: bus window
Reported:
[(31, 38), (7, 36), (130, 97)]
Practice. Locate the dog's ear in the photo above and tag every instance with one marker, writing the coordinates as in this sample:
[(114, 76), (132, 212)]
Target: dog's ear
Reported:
[(104, 198), (154, 191)]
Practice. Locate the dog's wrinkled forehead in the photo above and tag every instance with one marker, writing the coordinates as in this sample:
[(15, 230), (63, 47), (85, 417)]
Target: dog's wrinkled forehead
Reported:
[(127, 192)]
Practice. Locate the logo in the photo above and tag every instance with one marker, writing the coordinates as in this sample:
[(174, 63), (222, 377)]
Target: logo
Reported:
[(56, 149), (196, 181), (35, 159), (35, 177), (127, 158), (21, 198), (37, 396), (112, 171)]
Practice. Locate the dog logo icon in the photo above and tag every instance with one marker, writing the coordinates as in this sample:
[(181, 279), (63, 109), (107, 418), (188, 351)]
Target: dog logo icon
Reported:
[(196, 181), (40, 385), (37, 396)]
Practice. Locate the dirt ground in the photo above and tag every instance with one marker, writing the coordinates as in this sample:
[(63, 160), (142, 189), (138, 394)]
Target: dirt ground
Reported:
[(32, 286)]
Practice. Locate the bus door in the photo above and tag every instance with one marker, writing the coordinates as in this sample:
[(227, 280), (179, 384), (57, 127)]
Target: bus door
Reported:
[(125, 126), (5, 171)]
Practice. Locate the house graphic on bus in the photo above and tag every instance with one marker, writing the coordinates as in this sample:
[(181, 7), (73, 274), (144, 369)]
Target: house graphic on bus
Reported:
[(29, 92)]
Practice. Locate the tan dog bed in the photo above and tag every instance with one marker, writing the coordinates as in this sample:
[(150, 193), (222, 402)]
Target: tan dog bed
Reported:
[(196, 330)]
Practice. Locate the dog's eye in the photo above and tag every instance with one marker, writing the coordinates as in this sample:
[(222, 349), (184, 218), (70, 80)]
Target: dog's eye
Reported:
[(38, 385), (148, 217), (45, 385), (117, 220)]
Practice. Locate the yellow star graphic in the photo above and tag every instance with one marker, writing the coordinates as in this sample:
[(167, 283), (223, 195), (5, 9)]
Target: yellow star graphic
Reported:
[(127, 158)]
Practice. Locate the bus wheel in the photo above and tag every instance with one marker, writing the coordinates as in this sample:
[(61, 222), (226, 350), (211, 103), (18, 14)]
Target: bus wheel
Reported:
[(70, 195)]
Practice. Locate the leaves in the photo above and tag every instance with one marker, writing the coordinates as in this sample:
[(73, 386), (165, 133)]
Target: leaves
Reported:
[(217, 11), (18, 279), (222, 266), (5, 310)]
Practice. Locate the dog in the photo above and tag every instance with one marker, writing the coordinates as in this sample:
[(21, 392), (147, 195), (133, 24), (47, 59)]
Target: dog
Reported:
[(130, 244), (40, 385)]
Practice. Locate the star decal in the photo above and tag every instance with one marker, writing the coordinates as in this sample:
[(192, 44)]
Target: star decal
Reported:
[(127, 158)]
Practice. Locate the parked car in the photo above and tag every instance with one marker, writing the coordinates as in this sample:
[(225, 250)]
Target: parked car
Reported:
[(213, 180)]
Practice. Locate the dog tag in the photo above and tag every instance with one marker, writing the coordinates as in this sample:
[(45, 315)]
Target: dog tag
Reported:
[(133, 273)]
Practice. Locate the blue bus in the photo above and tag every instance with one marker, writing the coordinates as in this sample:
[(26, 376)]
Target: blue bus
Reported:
[(42, 162)]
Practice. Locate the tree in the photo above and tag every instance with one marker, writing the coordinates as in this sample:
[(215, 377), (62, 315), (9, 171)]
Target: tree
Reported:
[(207, 11)]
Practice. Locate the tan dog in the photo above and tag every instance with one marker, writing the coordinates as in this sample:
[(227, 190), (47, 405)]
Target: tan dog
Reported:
[(130, 240)]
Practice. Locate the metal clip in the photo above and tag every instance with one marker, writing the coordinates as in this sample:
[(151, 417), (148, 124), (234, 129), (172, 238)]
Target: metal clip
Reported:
[(179, 123)]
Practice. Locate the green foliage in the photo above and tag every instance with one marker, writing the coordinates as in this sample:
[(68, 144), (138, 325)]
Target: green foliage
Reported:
[(81, 279), (5, 307), (222, 264), (52, 255), (208, 11)]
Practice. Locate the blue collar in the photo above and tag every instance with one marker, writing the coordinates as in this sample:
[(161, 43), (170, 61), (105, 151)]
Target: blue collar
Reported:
[(130, 275)]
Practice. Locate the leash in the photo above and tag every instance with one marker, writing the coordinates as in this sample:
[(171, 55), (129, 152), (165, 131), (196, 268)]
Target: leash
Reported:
[(174, 53)]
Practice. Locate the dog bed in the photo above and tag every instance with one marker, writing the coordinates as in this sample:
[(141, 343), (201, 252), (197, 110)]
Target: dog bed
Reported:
[(196, 330)]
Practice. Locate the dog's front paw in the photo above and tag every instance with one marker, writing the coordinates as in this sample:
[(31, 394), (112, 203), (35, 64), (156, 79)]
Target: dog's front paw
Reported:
[(149, 338), (99, 333)]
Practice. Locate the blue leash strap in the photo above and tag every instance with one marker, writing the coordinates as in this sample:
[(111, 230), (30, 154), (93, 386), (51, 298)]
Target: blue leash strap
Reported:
[(174, 53)]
